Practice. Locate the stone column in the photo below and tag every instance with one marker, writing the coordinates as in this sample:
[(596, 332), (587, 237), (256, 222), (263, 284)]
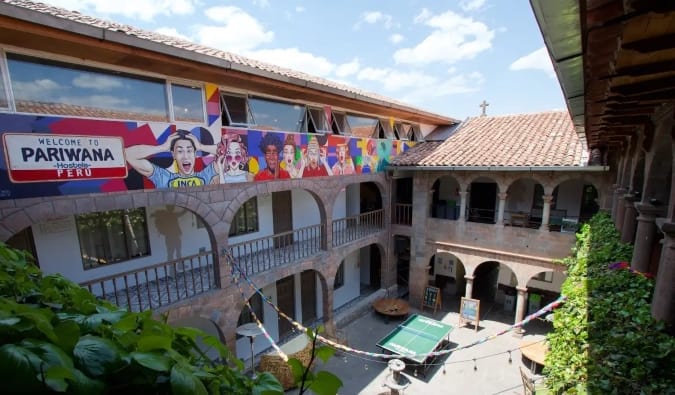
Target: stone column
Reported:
[(418, 273), (618, 192), (500, 210), (462, 205), (521, 307), (546, 212), (663, 302), (620, 209), (644, 236), (328, 315), (628, 224), (469, 286)]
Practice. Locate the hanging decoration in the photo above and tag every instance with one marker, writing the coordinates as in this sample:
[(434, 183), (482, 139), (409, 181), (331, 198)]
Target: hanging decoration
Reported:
[(238, 274)]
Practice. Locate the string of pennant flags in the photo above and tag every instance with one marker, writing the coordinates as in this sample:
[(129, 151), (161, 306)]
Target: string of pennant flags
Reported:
[(238, 274)]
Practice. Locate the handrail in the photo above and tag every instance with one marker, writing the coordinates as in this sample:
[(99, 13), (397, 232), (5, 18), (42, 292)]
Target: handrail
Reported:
[(355, 227), (402, 214), (159, 284), (263, 253)]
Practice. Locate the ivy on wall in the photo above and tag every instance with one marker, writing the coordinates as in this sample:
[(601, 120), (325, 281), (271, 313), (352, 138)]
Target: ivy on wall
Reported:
[(605, 340)]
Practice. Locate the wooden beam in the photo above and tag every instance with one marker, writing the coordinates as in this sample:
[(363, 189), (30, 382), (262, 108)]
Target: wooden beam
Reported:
[(641, 70), (651, 44)]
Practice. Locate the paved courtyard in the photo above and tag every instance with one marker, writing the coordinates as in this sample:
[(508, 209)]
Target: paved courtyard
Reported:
[(452, 374)]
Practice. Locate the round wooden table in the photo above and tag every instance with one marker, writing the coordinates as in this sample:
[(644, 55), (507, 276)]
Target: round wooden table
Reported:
[(392, 307), (535, 351)]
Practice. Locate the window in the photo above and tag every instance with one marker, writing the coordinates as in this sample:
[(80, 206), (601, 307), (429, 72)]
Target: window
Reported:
[(112, 236), (339, 124), (257, 307), (316, 121), (188, 103), (47, 87), (546, 277), (415, 134), (4, 100), (362, 126), (276, 115), (246, 219), (339, 276), (235, 111)]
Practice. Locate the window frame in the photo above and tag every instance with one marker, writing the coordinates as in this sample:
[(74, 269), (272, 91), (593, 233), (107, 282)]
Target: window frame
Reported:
[(69, 63), (125, 237), (235, 219), (225, 110), (170, 100), (4, 78)]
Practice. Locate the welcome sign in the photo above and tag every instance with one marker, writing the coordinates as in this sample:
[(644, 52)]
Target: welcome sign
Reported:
[(48, 157)]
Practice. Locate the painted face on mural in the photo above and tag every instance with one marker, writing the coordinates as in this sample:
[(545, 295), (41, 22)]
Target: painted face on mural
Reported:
[(234, 155), (184, 155), (313, 155), (289, 154), (272, 157), (342, 153)]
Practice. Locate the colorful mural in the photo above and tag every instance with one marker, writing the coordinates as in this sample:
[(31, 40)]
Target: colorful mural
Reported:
[(51, 156)]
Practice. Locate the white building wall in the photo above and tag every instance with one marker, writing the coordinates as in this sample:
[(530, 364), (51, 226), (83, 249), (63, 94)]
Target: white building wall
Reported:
[(351, 289), (340, 205), (305, 209), (270, 321), (58, 249)]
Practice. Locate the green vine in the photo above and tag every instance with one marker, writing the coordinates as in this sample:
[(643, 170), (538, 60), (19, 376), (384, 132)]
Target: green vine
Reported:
[(605, 340)]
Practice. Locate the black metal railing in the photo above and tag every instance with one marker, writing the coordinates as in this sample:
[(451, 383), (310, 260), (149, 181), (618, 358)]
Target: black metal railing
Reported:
[(353, 228), (262, 254), (158, 285)]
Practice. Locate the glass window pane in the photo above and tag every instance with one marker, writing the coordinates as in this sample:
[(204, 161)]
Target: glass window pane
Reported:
[(319, 119), (46, 87), (188, 103), (361, 126), (112, 236), (275, 115), (237, 110), (4, 101)]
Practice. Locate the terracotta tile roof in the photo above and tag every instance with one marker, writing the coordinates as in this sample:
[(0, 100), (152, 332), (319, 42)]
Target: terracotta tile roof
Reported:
[(540, 139), (201, 49)]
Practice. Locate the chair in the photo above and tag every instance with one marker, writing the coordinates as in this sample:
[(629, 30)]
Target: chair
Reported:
[(529, 388)]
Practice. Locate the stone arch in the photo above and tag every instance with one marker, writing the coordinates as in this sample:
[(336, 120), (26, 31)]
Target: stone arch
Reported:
[(445, 198), (485, 280), (521, 190), (482, 199), (344, 183), (449, 271)]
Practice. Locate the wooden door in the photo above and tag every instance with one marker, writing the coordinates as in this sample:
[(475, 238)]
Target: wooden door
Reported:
[(282, 213), (308, 295), (286, 303)]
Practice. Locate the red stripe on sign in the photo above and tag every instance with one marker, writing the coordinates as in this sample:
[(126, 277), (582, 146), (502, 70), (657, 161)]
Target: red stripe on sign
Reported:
[(67, 174)]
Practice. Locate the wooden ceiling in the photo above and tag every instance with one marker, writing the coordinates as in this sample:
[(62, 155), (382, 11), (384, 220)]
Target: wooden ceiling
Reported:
[(629, 66)]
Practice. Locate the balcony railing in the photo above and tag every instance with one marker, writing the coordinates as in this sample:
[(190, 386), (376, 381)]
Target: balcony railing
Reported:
[(402, 214), (157, 285), (353, 228), (265, 253)]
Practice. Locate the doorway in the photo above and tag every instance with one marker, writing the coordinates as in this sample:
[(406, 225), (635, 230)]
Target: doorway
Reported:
[(286, 303), (282, 213), (308, 296), (402, 252), (485, 279)]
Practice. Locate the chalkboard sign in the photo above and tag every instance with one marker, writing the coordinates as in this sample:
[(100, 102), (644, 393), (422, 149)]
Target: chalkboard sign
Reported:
[(431, 298), (469, 312)]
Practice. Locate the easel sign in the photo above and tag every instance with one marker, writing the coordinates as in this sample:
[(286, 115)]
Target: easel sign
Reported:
[(469, 312), (431, 298)]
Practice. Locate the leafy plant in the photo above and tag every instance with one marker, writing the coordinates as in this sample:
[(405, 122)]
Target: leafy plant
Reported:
[(58, 337), (322, 382), (605, 340)]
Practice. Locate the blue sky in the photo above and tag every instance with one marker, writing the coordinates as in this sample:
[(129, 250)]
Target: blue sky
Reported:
[(442, 56)]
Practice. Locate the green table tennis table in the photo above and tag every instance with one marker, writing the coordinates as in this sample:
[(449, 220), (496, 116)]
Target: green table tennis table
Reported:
[(417, 335)]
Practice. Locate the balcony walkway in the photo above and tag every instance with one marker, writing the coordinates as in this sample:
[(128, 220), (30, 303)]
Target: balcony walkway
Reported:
[(167, 283)]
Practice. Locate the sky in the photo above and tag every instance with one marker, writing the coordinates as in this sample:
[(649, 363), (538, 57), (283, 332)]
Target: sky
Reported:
[(445, 57)]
